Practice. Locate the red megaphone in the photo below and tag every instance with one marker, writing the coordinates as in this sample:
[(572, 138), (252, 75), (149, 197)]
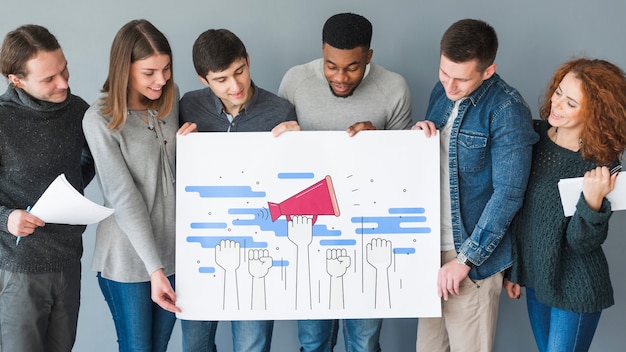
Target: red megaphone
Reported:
[(318, 199)]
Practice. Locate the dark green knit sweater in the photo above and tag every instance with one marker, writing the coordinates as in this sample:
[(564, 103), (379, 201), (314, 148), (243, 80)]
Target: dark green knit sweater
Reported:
[(560, 257)]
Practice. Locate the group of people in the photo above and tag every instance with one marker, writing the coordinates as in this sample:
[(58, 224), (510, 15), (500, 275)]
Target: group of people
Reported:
[(502, 224)]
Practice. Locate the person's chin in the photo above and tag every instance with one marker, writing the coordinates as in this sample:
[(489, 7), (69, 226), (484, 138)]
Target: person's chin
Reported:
[(555, 121), (58, 98), (454, 97), (154, 95), (341, 94)]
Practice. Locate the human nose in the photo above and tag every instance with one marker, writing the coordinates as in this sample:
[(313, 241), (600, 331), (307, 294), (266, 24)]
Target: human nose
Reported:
[(449, 85), (162, 78), (557, 103), (235, 85), (341, 76), (62, 82)]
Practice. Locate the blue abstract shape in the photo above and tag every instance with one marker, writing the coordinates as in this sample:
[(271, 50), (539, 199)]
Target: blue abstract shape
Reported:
[(389, 225), (224, 191), (337, 242), (320, 230), (212, 241), (206, 270), (407, 211), (208, 225), (404, 251), (280, 263), (295, 175), (279, 227), (260, 218)]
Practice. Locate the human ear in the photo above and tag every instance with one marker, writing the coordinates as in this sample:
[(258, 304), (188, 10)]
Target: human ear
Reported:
[(489, 71), (370, 52), (15, 81), (203, 80)]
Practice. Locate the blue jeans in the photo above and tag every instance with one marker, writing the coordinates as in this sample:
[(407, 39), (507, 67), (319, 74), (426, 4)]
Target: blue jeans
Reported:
[(560, 330), (360, 335), (141, 325), (248, 335)]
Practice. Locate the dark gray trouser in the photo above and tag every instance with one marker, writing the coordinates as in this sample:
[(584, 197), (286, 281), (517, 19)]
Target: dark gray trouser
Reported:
[(39, 311)]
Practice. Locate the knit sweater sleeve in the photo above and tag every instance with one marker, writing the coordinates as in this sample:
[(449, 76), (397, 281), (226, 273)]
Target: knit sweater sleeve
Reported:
[(87, 165), (587, 230), (289, 83), (119, 189), (399, 96), (4, 218)]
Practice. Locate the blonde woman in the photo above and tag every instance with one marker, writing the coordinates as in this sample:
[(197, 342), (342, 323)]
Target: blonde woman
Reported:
[(131, 131)]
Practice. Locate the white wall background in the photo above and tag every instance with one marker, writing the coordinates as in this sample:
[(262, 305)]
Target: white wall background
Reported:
[(535, 37)]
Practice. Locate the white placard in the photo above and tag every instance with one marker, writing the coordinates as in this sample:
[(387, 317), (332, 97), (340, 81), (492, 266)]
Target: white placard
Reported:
[(362, 241)]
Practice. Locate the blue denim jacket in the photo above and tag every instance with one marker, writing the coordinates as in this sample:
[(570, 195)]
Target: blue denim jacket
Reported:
[(489, 159)]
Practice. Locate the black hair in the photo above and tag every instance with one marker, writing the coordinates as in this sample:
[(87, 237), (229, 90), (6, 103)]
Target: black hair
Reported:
[(347, 31)]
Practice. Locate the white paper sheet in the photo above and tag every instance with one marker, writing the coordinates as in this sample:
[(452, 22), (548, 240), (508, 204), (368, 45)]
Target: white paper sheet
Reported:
[(61, 203), (570, 189)]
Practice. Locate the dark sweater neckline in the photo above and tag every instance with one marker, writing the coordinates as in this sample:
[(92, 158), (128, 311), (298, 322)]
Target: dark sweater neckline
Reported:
[(19, 97), (544, 126)]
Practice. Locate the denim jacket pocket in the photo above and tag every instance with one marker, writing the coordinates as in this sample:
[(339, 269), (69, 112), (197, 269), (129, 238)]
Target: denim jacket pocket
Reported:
[(471, 151)]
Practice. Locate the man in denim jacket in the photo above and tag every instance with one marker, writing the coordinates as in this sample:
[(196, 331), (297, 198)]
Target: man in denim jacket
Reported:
[(486, 138)]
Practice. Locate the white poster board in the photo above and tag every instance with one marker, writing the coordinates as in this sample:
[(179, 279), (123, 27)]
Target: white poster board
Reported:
[(308, 225)]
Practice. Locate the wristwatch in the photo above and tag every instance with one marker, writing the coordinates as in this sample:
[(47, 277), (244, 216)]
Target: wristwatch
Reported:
[(462, 259)]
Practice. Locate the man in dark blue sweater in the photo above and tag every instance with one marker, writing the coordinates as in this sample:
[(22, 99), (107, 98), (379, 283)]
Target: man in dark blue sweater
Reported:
[(230, 103), (41, 137)]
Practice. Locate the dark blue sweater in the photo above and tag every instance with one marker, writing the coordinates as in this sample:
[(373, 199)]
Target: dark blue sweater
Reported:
[(264, 111)]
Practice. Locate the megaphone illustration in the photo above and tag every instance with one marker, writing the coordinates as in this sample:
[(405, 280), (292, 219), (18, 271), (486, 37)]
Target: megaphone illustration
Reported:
[(317, 199)]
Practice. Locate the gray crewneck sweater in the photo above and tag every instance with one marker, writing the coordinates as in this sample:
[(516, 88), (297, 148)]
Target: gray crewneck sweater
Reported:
[(38, 141), (382, 97)]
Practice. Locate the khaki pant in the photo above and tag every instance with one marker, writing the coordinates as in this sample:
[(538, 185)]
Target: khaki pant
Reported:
[(468, 321)]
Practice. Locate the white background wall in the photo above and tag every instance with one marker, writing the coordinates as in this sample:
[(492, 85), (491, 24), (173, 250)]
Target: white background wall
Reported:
[(535, 37)]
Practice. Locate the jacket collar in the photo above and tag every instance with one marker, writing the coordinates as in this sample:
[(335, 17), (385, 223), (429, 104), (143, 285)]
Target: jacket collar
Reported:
[(483, 88)]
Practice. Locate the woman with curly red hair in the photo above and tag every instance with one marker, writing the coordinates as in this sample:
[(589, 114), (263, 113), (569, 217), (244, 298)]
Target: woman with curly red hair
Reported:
[(559, 259)]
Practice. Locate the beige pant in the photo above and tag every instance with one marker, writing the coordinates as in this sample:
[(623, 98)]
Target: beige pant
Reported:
[(468, 321)]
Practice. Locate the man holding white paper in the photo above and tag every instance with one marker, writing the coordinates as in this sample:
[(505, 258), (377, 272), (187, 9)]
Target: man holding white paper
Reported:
[(41, 137), (61, 203), (345, 90)]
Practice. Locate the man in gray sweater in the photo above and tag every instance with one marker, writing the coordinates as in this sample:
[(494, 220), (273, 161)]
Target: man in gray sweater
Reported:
[(344, 90), (230, 103), (40, 137)]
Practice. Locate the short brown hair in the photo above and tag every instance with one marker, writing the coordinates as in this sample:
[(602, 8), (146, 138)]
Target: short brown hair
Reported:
[(468, 40), (21, 45)]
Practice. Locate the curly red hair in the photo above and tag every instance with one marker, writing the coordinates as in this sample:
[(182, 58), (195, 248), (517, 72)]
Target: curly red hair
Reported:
[(603, 107)]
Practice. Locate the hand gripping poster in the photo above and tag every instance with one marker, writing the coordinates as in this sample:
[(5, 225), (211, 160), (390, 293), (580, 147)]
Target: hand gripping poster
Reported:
[(307, 225)]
